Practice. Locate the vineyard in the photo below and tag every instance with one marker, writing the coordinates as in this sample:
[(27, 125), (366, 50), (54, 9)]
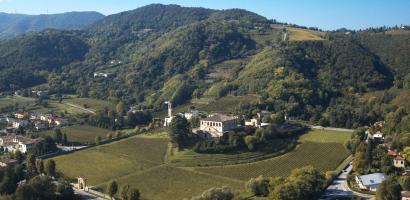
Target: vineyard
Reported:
[(323, 156)]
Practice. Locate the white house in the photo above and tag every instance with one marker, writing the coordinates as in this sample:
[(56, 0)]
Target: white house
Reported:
[(370, 181), (217, 124), (99, 74), (190, 114), (16, 142)]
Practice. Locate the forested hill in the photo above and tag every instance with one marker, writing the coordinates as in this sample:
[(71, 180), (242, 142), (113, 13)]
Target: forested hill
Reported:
[(168, 52), (17, 24)]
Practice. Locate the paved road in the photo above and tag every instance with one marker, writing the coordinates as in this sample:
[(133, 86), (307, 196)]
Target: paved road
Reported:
[(339, 186), (85, 195)]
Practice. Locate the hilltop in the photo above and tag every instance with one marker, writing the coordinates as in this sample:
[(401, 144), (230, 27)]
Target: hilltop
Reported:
[(168, 52), (17, 24)]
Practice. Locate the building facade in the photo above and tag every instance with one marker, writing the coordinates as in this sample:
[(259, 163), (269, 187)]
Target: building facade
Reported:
[(217, 124)]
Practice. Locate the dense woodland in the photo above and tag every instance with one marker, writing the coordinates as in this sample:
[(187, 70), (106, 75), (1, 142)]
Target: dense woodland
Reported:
[(157, 53)]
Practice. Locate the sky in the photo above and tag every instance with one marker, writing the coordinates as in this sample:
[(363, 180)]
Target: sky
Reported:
[(324, 14)]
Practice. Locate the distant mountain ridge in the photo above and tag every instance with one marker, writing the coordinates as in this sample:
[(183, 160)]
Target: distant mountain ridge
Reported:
[(17, 24)]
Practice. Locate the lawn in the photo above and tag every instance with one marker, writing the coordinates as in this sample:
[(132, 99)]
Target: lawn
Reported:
[(81, 133), (106, 162), (316, 135), (323, 156)]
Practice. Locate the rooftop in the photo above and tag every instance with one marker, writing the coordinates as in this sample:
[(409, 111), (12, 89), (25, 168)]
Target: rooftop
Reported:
[(405, 194), (219, 118), (372, 179)]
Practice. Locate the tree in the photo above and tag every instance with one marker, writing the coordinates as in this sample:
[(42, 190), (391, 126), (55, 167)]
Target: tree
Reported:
[(50, 167), (405, 183), (109, 136), (258, 186), (134, 194), (58, 135), (359, 163), (24, 192), (65, 140), (65, 190), (120, 108), (31, 166), (43, 188), (388, 190), (124, 192), (18, 156), (40, 166), (112, 188), (251, 142), (179, 130), (97, 140), (224, 193)]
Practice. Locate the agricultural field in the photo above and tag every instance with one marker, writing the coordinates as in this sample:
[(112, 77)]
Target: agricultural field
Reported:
[(189, 158), (323, 156), (166, 182), (80, 134), (92, 104), (111, 161), (148, 163)]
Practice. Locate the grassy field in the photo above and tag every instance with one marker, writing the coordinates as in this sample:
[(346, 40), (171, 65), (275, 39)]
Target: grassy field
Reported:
[(81, 133), (325, 136), (93, 104), (297, 34), (111, 161), (12, 100)]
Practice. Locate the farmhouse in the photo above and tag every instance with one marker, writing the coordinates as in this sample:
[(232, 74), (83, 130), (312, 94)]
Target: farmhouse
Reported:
[(217, 124), (399, 162), (257, 121), (370, 181), (16, 142)]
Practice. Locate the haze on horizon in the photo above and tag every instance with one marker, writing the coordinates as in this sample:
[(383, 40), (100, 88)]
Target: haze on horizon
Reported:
[(324, 14)]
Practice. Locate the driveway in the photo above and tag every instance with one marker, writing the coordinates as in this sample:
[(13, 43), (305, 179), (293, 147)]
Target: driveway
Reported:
[(339, 187)]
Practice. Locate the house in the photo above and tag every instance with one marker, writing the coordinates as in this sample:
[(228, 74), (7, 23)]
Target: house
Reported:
[(60, 121), (8, 162), (40, 93), (370, 181), (39, 125), (217, 124), (19, 123), (378, 136), (99, 74), (190, 114), (257, 121), (20, 115), (399, 162), (405, 195), (16, 142), (45, 117)]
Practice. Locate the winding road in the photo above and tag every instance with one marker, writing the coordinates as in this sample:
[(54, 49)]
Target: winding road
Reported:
[(339, 186)]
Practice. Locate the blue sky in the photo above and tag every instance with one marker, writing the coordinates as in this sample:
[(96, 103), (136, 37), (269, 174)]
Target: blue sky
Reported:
[(325, 14)]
